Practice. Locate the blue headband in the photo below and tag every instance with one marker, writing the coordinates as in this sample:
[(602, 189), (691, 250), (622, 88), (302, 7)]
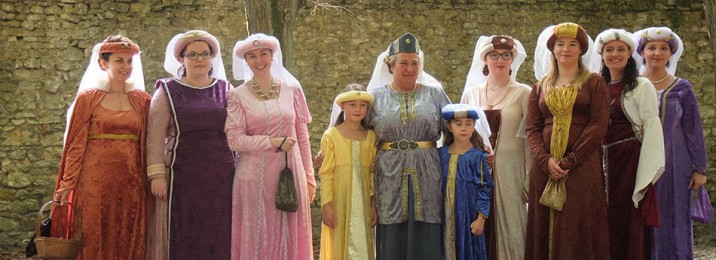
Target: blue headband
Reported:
[(457, 111)]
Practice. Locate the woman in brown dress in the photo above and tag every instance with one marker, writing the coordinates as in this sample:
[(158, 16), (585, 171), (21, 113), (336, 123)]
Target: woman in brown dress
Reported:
[(102, 168), (566, 121)]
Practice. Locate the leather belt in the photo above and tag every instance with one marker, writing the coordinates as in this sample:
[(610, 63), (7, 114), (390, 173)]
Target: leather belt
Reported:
[(406, 145)]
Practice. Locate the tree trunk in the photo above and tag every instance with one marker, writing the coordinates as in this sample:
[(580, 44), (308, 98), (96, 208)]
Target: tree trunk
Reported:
[(710, 11), (274, 17), (258, 16)]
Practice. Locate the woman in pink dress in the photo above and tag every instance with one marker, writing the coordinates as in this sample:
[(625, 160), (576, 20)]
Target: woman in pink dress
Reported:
[(267, 120)]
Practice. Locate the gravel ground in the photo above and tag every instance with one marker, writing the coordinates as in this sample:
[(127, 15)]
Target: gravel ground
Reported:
[(704, 241)]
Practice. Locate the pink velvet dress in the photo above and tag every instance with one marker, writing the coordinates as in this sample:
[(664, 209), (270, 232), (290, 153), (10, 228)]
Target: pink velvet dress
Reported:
[(259, 229)]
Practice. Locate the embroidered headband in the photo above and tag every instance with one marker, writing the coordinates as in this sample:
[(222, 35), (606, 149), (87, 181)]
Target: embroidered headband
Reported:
[(192, 36), (253, 42), (405, 44), (656, 34), (615, 35), (119, 47), (570, 30), (457, 111), (498, 42), (354, 95)]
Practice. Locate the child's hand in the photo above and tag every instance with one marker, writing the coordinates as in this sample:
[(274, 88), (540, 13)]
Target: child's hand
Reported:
[(478, 225), (490, 156), (328, 216), (311, 192), (373, 215), (318, 161)]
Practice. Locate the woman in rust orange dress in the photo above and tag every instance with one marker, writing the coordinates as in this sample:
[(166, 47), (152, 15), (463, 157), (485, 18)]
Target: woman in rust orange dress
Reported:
[(102, 168)]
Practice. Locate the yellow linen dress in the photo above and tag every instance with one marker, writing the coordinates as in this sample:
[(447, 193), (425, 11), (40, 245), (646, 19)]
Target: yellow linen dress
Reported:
[(347, 183)]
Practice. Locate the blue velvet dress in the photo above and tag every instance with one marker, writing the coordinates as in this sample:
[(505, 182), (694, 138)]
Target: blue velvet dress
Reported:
[(466, 186)]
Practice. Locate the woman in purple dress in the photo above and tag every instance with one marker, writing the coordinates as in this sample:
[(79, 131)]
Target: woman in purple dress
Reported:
[(189, 162), (659, 49), (633, 148)]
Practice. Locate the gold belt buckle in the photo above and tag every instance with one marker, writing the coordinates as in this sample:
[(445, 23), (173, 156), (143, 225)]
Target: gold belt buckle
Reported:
[(404, 145)]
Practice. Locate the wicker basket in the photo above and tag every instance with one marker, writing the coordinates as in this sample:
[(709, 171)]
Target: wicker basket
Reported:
[(58, 248)]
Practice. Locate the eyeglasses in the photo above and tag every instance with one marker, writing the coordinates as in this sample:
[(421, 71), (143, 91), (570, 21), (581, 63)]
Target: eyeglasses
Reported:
[(195, 56), (495, 55)]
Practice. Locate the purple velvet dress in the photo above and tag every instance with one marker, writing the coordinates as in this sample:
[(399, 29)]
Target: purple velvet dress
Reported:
[(201, 171), (685, 154)]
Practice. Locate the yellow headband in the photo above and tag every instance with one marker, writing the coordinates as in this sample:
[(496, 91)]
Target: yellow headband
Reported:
[(567, 30), (354, 95)]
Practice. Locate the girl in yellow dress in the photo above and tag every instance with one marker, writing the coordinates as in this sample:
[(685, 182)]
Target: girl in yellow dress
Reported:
[(347, 202)]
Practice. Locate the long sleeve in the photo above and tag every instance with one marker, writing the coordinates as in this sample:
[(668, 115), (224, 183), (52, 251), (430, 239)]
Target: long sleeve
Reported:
[(326, 172), (77, 138), (235, 127), (642, 104), (485, 185), (521, 133), (534, 125), (303, 118), (157, 126), (693, 130), (593, 133), (372, 154)]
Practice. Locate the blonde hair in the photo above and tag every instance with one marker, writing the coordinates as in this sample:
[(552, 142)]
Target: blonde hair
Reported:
[(549, 81)]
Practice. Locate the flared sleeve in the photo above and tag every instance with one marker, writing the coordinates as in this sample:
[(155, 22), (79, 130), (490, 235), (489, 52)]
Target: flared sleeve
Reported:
[(303, 118), (534, 125), (483, 180), (373, 151), (642, 109), (693, 129), (235, 127), (593, 133), (77, 137), (522, 133), (327, 168)]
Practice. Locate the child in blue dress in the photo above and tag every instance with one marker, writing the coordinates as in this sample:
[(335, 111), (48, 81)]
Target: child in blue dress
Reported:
[(466, 185)]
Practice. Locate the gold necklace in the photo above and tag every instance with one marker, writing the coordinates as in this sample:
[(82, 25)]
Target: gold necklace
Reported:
[(499, 100), (261, 94), (659, 81)]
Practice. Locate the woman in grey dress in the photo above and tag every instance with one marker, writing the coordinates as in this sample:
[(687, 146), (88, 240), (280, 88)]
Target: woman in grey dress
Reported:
[(406, 116)]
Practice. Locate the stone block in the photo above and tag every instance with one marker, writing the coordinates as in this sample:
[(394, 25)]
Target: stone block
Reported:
[(24, 205), (18, 180), (7, 224)]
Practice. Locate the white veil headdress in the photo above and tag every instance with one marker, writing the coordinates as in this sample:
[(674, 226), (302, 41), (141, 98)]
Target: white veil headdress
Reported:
[(96, 77), (645, 35), (172, 64), (475, 76), (381, 75), (241, 70), (543, 55)]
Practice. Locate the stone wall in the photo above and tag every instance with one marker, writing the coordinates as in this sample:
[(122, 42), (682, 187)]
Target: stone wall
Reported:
[(46, 45), (44, 51)]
